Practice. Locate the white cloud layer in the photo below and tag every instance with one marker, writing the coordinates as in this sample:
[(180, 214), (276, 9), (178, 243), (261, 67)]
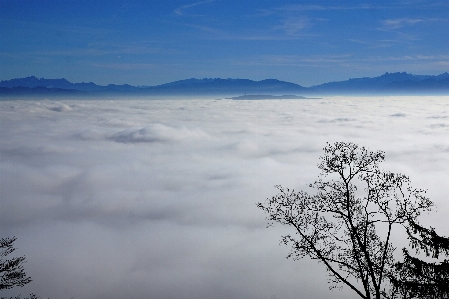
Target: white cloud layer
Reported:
[(137, 198)]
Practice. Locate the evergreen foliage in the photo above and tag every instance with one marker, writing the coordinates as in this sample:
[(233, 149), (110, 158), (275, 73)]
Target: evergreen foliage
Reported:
[(12, 272), (417, 278)]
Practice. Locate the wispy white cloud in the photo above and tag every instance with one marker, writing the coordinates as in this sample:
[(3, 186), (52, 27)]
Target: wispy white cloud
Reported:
[(374, 44), (444, 62), (124, 66), (298, 60), (94, 50), (346, 63), (300, 7), (399, 23), (392, 24), (208, 29), (293, 26), (72, 31), (181, 9), (291, 29)]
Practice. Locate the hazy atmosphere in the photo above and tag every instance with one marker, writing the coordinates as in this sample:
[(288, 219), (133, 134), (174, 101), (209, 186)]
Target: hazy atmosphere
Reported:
[(150, 191)]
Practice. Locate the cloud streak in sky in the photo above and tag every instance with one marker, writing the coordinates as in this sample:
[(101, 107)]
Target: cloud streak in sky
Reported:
[(293, 27), (333, 7), (181, 10), (393, 24), (124, 66), (325, 60)]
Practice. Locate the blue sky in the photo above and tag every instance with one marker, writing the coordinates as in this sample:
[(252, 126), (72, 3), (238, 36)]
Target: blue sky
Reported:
[(154, 42)]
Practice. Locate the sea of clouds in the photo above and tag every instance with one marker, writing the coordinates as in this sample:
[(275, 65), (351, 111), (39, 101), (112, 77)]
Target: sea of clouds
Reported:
[(137, 198)]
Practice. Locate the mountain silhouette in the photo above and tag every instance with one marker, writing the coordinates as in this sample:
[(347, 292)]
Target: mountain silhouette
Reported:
[(388, 83)]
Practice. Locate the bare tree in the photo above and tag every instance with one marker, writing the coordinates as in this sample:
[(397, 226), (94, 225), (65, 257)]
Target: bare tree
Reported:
[(347, 224), (12, 272)]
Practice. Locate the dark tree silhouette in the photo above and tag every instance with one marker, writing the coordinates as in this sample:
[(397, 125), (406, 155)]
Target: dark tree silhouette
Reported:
[(12, 272), (416, 278), (347, 224)]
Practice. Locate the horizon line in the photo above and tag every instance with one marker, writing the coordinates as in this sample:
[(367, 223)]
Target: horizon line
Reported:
[(220, 78)]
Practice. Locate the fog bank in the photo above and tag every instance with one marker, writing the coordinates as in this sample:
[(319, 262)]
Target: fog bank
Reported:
[(135, 198)]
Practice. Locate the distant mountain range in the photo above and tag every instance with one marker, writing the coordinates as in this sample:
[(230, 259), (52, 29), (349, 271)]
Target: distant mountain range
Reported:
[(389, 83), (386, 84)]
